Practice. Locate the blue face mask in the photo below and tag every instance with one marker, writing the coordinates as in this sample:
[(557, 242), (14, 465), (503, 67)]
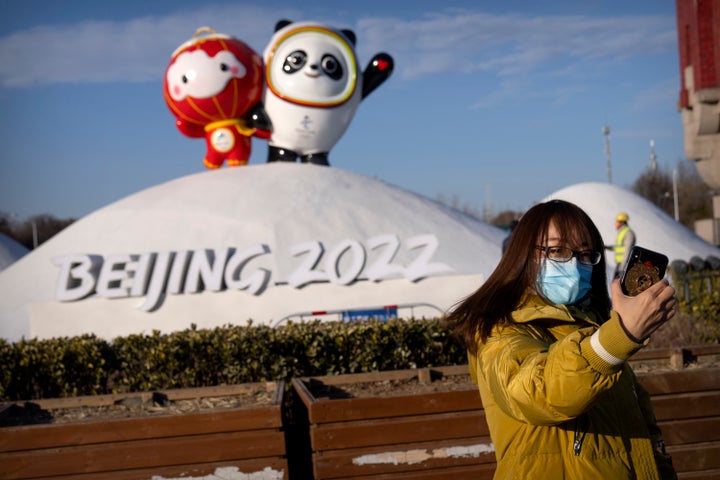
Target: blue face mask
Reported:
[(563, 283)]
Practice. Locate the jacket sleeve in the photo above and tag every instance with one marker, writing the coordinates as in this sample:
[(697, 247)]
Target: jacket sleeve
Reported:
[(543, 384)]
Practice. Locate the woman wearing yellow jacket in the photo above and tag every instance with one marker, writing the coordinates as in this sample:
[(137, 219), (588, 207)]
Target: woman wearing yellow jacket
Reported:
[(548, 351)]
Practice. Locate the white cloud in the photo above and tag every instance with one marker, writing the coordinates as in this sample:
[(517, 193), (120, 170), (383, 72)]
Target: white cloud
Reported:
[(132, 51), (466, 41), (451, 41)]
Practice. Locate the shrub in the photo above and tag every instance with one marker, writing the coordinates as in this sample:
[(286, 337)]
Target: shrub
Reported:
[(86, 365)]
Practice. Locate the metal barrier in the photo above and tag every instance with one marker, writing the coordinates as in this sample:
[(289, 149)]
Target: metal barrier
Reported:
[(695, 279), (382, 313)]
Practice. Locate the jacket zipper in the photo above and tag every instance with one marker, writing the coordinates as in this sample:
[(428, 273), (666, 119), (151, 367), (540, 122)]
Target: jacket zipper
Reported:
[(579, 434)]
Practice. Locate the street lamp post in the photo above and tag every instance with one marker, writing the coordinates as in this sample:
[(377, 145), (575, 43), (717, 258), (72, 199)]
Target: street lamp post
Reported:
[(606, 133), (675, 195), (34, 232)]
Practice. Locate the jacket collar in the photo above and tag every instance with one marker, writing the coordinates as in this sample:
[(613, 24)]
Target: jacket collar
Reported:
[(533, 307)]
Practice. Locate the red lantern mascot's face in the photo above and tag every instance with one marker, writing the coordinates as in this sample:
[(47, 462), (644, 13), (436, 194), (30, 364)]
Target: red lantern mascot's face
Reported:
[(213, 85)]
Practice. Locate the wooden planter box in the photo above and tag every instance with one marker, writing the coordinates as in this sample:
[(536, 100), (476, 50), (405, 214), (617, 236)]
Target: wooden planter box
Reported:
[(243, 437), (433, 435), (443, 434), (687, 406)]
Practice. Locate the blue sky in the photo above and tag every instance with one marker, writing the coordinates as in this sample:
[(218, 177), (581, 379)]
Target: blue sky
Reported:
[(494, 104)]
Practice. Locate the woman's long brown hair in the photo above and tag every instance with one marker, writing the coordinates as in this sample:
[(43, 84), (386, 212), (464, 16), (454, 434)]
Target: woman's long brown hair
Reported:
[(500, 295)]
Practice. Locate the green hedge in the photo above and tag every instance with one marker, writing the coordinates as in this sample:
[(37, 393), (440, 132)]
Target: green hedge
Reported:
[(87, 365)]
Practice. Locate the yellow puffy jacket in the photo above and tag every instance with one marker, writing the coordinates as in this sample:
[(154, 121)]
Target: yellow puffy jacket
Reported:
[(562, 403)]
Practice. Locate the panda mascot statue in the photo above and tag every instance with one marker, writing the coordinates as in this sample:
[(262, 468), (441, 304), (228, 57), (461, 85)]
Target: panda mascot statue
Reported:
[(313, 88)]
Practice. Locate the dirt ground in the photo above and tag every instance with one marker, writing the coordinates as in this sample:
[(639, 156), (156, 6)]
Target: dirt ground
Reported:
[(388, 388), (134, 406), (14, 414), (451, 382), (30, 413), (445, 383)]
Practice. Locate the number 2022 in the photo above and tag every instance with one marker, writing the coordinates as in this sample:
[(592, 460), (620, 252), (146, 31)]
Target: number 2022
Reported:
[(312, 268)]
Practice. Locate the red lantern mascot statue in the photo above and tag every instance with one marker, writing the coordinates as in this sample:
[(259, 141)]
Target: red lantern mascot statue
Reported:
[(214, 85)]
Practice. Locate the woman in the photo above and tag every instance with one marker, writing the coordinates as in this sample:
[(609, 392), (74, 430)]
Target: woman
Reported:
[(548, 351)]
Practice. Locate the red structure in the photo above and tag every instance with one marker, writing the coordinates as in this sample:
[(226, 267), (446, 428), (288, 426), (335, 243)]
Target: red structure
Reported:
[(698, 23), (699, 43)]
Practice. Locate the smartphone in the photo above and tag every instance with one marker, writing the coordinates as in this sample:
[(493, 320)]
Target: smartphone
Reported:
[(644, 268)]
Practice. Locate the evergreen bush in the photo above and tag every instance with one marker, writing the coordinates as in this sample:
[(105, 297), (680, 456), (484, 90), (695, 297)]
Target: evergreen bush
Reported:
[(87, 365)]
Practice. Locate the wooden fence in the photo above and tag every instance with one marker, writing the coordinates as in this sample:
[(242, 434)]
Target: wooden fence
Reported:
[(199, 444)]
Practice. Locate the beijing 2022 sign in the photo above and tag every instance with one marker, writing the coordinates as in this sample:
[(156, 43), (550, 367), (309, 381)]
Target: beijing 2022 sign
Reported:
[(155, 274)]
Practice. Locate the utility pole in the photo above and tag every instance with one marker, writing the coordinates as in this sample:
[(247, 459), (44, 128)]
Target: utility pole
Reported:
[(653, 157), (34, 233), (606, 132), (675, 194), (488, 207)]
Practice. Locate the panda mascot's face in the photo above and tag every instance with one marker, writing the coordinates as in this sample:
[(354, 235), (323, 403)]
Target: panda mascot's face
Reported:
[(312, 66)]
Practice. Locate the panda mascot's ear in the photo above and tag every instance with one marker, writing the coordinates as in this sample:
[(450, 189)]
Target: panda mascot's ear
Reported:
[(350, 35), (282, 24)]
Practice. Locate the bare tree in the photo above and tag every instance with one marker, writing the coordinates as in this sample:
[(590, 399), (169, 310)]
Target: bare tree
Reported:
[(5, 226), (505, 218), (38, 228), (454, 202), (694, 196)]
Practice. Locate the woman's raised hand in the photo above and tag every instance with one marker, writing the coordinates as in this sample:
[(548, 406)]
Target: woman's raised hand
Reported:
[(643, 314)]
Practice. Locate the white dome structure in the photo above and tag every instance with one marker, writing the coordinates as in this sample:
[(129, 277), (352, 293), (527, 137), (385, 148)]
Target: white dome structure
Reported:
[(654, 229), (277, 242), (10, 251), (264, 242)]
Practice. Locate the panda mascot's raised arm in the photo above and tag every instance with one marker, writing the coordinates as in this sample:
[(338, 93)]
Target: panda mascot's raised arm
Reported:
[(313, 88), (377, 71)]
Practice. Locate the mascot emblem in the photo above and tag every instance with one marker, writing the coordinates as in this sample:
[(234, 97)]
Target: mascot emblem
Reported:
[(313, 88), (214, 85)]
